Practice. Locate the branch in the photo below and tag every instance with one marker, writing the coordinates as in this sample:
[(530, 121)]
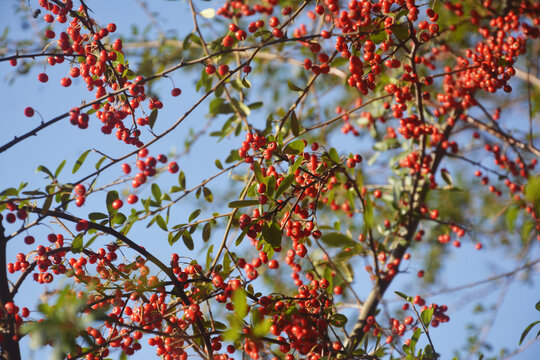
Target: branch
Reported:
[(178, 285), (10, 348)]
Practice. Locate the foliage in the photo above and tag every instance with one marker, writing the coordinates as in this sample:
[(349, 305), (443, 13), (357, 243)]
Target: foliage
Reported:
[(345, 145)]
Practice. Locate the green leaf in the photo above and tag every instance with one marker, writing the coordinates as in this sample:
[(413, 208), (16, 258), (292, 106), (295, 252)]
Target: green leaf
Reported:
[(156, 191), (336, 239), (537, 306), (242, 203), (447, 178), (218, 164), (338, 320), (510, 217), (241, 236), (255, 105), (48, 201), (77, 243), (293, 87), (80, 161), (426, 316), (161, 223), (272, 234), (295, 126), (194, 215), (182, 180), (368, 214), (285, 184), (258, 172), (174, 238), (118, 218), (333, 155), (207, 230), (401, 31), (100, 161), (11, 192), (294, 148), (208, 194), (271, 186), (246, 83), (296, 164), (111, 196), (403, 296), (59, 168), (188, 240), (152, 118), (239, 300), (414, 339), (526, 331), (45, 170)]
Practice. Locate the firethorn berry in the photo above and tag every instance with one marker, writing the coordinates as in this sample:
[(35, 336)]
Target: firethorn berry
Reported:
[(126, 168), (377, 193), (338, 290), (241, 35), (29, 112), (210, 69), (273, 264), (80, 189), (43, 78), (79, 200), (143, 153), (227, 41), (162, 158), (277, 33), (478, 246), (223, 69), (233, 27), (65, 82), (117, 204), (132, 199), (29, 240), (173, 167), (176, 92), (273, 21)]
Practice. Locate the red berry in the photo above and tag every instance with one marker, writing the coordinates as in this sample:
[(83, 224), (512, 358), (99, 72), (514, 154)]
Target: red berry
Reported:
[(173, 167), (228, 41), (176, 92), (223, 69), (80, 189), (117, 204), (29, 112), (273, 21), (210, 69), (65, 82), (132, 199), (126, 168), (162, 158), (43, 78), (79, 201), (29, 240)]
